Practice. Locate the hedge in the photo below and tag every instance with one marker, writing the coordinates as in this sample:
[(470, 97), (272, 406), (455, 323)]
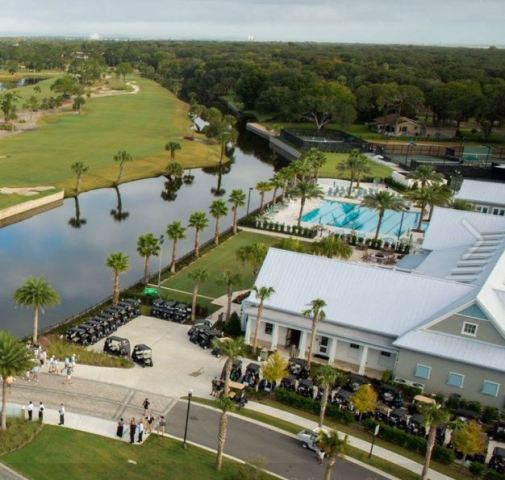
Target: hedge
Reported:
[(310, 405)]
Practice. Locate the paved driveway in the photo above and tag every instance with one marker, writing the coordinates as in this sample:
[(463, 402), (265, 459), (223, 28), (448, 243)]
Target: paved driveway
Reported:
[(179, 365)]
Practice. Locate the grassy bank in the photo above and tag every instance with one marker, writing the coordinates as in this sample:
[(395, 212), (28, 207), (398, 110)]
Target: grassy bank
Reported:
[(140, 123), (19, 432), (61, 454)]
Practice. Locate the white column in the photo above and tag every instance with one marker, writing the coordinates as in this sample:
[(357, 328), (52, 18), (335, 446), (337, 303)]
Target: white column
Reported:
[(302, 344), (275, 337), (332, 352), (362, 362), (248, 329)]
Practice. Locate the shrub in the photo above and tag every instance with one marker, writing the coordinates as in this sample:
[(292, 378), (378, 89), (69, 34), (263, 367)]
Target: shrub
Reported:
[(490, 414), (443, 455), (232, 328), (477, 468), (493, 475)]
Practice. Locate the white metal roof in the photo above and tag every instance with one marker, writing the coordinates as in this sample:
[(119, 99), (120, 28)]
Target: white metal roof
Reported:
[(483, 192), (456, 348), (357, 295)]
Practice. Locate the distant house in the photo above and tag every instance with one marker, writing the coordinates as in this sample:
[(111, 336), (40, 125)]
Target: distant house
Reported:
[(488, 197), (396, 125)]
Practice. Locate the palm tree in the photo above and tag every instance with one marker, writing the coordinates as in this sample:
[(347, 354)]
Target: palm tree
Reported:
[(218, 209), (421, 197), (253, 254), (36, 293), (332, 247), (147, 245), (172, 147), (333, 447), (318, 159), (426, 174), (174, 170), (231, 349), (356, 164), (226, 135), (79, 169), (433, 417), (277, 183), (263, 293), (198, 221), (15, 359), (326, 377), (122, 157), (284, 175), (199, 276), (382, 201), (225, 405), (117, 213), (317, 313), (306, 190), (459, 204), (119, 263), (229, 280), (175, 232), (438, 196), (303, 167), (237, 199), (262, 188)]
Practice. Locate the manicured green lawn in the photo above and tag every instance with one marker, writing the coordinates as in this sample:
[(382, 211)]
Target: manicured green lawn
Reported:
[(329, 169), (140, 123), (216, 261), (29, 90), (61, 454), (19, 432)]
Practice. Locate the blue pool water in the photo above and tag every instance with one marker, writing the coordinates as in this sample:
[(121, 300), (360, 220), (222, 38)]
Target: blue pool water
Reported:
[(356, 217)]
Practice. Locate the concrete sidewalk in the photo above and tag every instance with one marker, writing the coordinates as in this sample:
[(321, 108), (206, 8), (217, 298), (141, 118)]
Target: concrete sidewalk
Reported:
[(354, 441)]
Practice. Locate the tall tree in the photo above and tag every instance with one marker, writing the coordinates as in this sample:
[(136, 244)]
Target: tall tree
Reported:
[(199, 276), (326, 376), (317, 159), (8, 105), (122, 157), (331, 247), (426, 175), (262, 188), (229, 280), (356, 165), (253, 255), (221, 128), (316, 313), (237, 200), (277, 183), (231, 349), (218, 209), (175, 232), (274, 369), (147, 246), (225, 405), (174, 170), (15, 359), (333, 447), (382, 201), (123, 69), (118, 262), (78, 103), (306, 190), (262, 293), (172, 147), (438, 196), (36, 293), (79, 168), (198, 221), (433, 417), (469, 438)]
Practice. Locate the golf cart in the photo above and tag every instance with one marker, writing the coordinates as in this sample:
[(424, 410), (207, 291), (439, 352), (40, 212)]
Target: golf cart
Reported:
[(200, 323), (355, 381), (391, 395), (251, 375), (498, 431), (180, 312), (342, 398), (289, 383), (78, 335), (398, 417), (236, 371), (206, 336), (143, 355), (497, 461), (306, 387), (117, 346), (266, 386), (237, 393), (417, 425), (299, 367)]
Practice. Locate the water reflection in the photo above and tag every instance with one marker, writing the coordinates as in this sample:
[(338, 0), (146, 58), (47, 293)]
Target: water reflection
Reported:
[(21, 82), (172, 186), (73, 258)]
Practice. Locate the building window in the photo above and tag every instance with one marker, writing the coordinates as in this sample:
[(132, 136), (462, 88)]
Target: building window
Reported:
[(423, 371), (354, 345), (269, 328), (385, 354), (469, 329), (490, 388), (455, 380)]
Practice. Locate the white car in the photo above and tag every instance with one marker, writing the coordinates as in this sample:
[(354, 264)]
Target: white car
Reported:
[(308, 438)]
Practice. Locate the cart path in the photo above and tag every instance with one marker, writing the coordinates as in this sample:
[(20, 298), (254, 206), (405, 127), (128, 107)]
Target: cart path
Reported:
[(7, 474), (89, 397)]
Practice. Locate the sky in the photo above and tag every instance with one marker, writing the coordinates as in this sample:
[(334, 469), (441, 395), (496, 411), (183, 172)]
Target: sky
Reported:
[(433, 22)]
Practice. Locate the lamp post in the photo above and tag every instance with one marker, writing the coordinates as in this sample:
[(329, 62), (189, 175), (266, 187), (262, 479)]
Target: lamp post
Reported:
[(375, 433), (249, 200), (184, 443), (161, 240)]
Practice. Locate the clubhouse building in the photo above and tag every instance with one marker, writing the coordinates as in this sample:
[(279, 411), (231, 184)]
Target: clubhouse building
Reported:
[(436, 319)]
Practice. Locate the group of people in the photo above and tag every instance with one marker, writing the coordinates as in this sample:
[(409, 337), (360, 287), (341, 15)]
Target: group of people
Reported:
[(41, 360), (30, 408), (144, 424)]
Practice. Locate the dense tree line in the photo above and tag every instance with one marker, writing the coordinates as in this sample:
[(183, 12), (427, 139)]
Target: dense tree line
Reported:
[(321, 83)]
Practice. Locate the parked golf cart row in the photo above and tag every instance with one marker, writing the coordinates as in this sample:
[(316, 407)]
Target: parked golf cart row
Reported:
[(120, 347), (104, 323), (203, 334), (170, 310)]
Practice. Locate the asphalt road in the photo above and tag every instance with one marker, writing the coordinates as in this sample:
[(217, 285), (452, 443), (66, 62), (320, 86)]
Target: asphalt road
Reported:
[(281, 454)]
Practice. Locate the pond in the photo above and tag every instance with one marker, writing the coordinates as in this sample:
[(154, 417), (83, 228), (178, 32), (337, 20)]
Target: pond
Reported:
[(69, 244), (21, 82)]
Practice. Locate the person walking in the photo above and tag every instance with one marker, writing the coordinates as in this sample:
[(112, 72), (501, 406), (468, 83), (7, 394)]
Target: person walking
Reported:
[(162, 423), (41, 412), (35, 373), (133, 428), (150, 421), (120, 428), (61, 411), (30, 410), (68, 370), (140, 430), (146, 406)]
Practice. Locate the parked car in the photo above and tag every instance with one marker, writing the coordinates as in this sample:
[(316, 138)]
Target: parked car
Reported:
[(308, 438)]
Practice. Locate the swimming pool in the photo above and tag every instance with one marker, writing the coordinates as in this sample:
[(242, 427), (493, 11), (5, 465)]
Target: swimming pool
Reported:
[(355, 217)]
